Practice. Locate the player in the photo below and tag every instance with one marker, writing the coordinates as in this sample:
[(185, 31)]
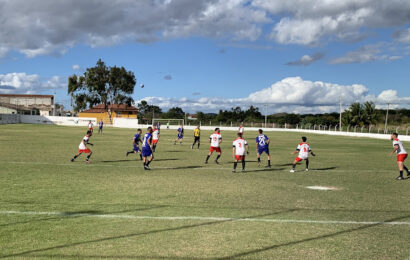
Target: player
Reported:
[(215, 139), (180, 135), (135, 142), (90, 126), (238, 151), (197, 137), (146, 149), (100, 126), (262, 142), (158, 126), (303, 149), (155, 138), (82, 148), (398, 148), (241, 129)]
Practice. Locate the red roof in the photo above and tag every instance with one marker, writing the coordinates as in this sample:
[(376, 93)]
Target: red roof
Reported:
[(23, 95), (115, 107)]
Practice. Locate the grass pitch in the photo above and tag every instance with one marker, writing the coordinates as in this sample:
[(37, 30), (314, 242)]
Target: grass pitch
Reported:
[(184, 209)]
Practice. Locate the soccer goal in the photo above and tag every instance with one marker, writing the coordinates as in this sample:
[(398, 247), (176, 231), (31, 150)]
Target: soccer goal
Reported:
[(165, 122)]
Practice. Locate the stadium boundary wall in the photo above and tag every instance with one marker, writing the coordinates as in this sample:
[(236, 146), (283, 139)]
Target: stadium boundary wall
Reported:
[(49, 120)]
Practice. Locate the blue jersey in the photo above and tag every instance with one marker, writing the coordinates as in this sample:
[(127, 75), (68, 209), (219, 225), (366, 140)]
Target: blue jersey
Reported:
[(145, 143), (137, 138), (180, 130), (262, 141)]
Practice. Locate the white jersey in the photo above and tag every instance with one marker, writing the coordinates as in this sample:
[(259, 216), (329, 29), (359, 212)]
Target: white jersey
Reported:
[(304, 150), (401, 149), (90, 125), (240, 130), (239, 145), (215, 139), (84, 142), (155, 134)]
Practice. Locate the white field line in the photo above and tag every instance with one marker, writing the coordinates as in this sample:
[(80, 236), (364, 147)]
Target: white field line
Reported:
[(199, 218), (200, 166)]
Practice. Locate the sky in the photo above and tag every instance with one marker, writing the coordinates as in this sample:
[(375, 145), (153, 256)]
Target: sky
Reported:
[(294, 56)]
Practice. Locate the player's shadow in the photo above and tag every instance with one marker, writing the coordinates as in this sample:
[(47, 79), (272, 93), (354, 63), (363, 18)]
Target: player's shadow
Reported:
[(324, 169), (166, 159), (182, 167), (267, 169), (123, 160), (144, 233), (296, 242), (286, 164)]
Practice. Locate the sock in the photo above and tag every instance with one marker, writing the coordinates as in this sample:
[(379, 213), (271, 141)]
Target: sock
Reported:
[(88, 157), (307, 164), (207, 158), (259, 160), (407, 170), (217, 157), (144, 164), (293, 166), (198, 145), (129, 152), (234, 165), (268, 162), (401, 174), (148, 162), (243, 165), (141, 156)]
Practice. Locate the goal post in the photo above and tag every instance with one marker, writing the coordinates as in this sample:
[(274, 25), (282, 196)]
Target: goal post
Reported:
[(170, 121)]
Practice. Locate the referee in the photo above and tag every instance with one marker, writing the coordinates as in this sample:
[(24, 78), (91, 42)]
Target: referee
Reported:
[(197, 137)]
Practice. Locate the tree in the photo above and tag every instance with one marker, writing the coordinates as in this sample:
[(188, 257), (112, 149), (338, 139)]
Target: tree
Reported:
[(148, 111), (102, 85), (369, 113), (175, 112)]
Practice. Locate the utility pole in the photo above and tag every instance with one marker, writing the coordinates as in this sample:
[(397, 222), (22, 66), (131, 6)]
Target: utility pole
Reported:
[(266, 114), (340, 113), (387, 115)]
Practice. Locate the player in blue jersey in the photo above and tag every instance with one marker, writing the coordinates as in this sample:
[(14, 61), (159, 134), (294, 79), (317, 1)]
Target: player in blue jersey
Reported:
[(147, 155), (180, 135), (262, 142), (135, 142)]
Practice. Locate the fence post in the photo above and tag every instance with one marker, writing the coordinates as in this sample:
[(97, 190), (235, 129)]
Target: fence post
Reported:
[(397, 129), (407, 131)]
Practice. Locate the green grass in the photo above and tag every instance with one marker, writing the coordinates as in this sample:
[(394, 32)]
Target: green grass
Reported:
[(36, 175)]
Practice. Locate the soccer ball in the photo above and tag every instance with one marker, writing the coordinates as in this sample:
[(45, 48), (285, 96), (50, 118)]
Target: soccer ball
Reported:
[(142, 86)]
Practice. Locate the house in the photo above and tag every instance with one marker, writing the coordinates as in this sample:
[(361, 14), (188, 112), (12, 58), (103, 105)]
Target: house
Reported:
[(117, 110), (26, 104)]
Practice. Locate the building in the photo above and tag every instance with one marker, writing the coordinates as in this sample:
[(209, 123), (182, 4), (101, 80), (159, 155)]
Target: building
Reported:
[(117, 110), (26, 104)]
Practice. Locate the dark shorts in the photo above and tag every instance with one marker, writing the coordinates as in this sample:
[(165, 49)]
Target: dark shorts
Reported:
[(180, 136), (197, 138), (136, 148), (146, 152), (264, 149)]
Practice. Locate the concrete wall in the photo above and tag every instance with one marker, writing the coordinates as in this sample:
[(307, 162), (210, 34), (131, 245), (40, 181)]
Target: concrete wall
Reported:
[(57, 120), (9, 119), (125, 122)]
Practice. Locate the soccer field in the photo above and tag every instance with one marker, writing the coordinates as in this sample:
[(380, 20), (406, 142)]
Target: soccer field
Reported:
[(184, 209)]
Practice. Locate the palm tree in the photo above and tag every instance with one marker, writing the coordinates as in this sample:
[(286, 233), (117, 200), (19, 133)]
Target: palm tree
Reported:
[(370, 115)]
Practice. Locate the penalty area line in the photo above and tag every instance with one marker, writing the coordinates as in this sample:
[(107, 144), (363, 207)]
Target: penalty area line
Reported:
[(199, 218)]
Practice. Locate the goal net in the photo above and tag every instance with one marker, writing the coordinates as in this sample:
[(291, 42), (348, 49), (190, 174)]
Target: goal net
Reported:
[(165, 122)]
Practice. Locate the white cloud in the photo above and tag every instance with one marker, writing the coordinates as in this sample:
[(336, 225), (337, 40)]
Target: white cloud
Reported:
[(291, 94), (365, 54), (28, 84), (76, 67), (306, 60)]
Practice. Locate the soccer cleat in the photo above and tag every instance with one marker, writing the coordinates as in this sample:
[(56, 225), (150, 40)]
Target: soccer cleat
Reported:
[(126, 155), (72, 159), (307, 169), (216, 162), (146, 168), (259, 164), (233, 170), (243, 170), (399, 178), (87, 162), (206, 162), (192, 146), (269, 166), (408, 174), (292, 170)]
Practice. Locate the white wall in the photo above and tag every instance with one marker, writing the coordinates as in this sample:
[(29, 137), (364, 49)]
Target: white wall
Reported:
[(125, 122), (57, 120)]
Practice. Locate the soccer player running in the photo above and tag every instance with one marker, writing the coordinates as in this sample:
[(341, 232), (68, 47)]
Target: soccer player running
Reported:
[(215, 139), (238, 152), (100, 126), (82, 148), (197, 137), (262, 142), (303, 149), (135, 142), (180, 135), (90, 126), (155, 138), (147, 155), (398, 148)]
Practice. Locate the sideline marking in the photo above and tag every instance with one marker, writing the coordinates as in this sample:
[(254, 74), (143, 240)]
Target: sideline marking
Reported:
[(321, 188), (303, 221)]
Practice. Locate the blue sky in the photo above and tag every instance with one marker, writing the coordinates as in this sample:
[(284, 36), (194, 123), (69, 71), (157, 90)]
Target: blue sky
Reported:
[(296, 56)]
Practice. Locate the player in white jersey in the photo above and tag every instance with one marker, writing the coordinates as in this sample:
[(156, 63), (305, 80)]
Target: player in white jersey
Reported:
[(155, 138), (90, 126), (398, 148), (82, 148), (240, 146), (303, 149), (215, 139), (241, 129)]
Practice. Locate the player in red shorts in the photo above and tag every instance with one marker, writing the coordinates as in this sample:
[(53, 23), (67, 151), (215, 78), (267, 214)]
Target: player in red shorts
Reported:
[(303, 149), (155, 138), (238, 151), (90, 126), (215, 139), (398, 148), (82, 148)]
